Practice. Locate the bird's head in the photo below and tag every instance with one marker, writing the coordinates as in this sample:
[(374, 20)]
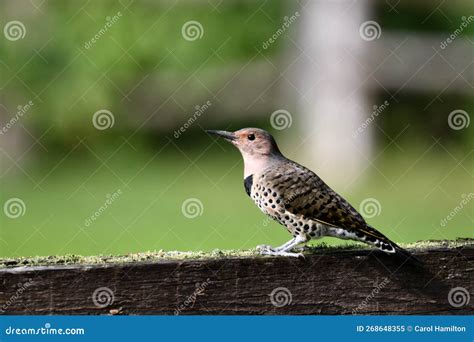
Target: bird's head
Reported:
[(257, 146), (251, 141)]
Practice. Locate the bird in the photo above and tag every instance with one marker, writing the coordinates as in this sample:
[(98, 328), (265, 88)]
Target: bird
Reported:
[(297, 198)]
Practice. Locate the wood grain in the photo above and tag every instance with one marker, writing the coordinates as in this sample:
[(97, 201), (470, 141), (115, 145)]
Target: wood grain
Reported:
[(326, 282)]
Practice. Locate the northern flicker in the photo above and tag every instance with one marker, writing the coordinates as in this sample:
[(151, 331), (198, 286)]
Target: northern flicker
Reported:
[(297, 198)]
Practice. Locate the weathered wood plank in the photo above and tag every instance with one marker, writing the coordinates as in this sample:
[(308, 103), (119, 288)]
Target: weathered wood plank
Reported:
[(325, 282)]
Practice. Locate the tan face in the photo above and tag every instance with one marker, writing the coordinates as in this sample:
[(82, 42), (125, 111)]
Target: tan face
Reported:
[(250, 141), (258, 148), (254, 141)]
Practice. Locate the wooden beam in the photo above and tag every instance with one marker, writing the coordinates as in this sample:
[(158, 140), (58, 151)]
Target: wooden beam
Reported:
[(328, 281)]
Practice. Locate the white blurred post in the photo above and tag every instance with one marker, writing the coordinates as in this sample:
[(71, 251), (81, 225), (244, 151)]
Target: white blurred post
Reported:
[(335, 87)]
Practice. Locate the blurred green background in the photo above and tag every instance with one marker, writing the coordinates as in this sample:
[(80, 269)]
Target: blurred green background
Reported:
[(63, 168)]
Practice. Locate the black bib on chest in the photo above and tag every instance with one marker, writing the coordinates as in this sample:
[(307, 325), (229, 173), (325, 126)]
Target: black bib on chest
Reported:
[(248, 184)]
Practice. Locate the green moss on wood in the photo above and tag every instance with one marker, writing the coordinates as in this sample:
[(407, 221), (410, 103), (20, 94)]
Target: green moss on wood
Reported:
[(71, 259)]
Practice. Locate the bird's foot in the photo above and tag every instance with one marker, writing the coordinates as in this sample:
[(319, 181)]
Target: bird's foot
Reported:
[(302, 248), (268, 250)]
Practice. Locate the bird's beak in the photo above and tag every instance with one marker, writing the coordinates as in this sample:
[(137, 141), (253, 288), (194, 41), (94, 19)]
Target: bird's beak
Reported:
[(229, 136)]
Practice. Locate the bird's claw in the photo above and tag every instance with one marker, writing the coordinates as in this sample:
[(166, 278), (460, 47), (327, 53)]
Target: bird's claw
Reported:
[(302, 248), (263, 248), (268, 250)]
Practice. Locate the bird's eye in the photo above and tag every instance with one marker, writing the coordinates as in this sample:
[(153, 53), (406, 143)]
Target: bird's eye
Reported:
[(251, 136)]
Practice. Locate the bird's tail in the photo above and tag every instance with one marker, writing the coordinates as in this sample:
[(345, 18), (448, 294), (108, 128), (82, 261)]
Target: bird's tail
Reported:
[(373, 237), (377, 239)]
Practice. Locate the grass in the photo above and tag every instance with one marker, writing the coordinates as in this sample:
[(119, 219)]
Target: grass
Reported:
[(147, 216)]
